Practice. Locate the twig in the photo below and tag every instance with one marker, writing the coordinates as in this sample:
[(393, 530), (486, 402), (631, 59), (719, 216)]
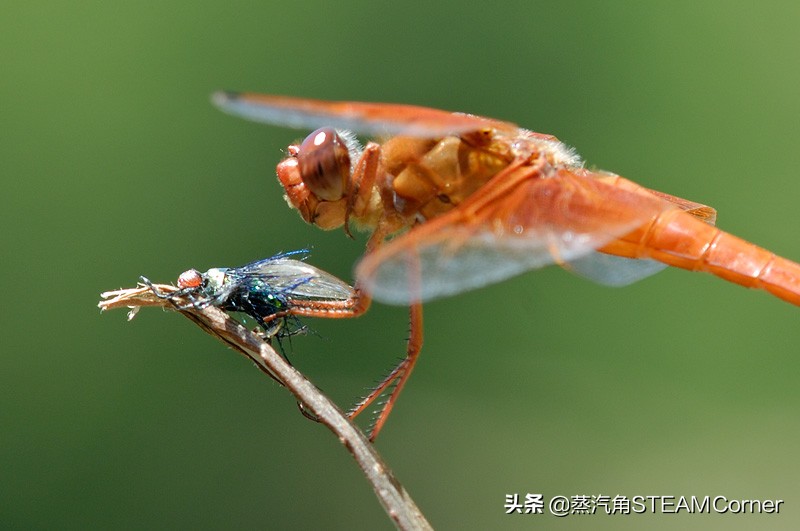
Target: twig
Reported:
[(395, 500)]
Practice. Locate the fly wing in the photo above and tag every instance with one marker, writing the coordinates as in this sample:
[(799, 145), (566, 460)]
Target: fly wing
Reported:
[(519, 220), (299, 280), (378, 119)]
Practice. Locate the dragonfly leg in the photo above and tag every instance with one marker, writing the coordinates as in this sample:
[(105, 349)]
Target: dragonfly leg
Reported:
[(362, 182), (397, 378)]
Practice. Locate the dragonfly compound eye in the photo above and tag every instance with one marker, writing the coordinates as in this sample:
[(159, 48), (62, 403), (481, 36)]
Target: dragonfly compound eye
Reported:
[(190, 279), (324, 163)]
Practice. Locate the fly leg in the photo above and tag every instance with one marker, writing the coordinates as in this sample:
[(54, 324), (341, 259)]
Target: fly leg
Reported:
[(184, 292)]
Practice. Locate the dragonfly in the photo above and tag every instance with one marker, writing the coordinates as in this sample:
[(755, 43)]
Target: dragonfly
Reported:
[(457, 201), (275, 292)]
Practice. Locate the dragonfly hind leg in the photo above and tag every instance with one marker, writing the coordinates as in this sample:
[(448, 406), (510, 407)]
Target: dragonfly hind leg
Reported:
[(396, 378)]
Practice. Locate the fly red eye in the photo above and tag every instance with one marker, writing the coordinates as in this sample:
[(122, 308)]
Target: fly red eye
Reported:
[(324, 163), (190, 279)]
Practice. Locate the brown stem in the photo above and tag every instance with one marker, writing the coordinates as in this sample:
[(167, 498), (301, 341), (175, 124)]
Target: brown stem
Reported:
[(395, 500)]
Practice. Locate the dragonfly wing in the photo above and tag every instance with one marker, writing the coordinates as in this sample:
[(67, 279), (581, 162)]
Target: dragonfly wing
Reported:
[(619, 271), (702, 212), (425, 270), (378, 119), (614, 271), (517, 221)]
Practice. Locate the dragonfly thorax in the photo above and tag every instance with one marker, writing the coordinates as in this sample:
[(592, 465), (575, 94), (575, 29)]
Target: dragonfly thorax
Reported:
[(447, 172)]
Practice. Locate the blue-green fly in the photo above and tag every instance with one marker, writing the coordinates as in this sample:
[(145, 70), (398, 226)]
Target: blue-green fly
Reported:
[(274, 292)]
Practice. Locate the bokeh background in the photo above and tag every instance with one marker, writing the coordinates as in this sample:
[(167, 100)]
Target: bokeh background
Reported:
[(115, 164)]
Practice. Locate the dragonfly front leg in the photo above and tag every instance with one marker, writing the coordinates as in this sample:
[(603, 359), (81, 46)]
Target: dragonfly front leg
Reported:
[(361, 185)]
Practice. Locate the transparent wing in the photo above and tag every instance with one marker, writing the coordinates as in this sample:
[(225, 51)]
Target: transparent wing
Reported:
[(617, 271), (614, 271), (298, 279), (516, 222), (702, 212), (378, 119)]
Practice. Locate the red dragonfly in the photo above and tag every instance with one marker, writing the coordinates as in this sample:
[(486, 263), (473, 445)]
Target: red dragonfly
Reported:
[(481, 200)]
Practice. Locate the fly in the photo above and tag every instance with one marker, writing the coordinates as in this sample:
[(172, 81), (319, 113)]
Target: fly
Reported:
[(275, 292)]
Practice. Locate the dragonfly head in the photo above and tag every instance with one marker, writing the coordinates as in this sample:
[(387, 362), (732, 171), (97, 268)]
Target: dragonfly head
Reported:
[(315, 177), (324, 163)]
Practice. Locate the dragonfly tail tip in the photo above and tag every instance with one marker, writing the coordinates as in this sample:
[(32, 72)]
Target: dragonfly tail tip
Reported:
[(222, 97)]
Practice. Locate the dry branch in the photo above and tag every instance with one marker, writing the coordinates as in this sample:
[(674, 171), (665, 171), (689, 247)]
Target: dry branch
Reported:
[(394, 498)]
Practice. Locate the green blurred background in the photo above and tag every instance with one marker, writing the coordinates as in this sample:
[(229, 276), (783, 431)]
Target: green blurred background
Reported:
[(115, 165)]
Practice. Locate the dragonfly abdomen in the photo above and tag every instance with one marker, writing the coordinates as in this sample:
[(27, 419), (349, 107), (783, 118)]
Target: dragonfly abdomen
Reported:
[(681, 240)]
